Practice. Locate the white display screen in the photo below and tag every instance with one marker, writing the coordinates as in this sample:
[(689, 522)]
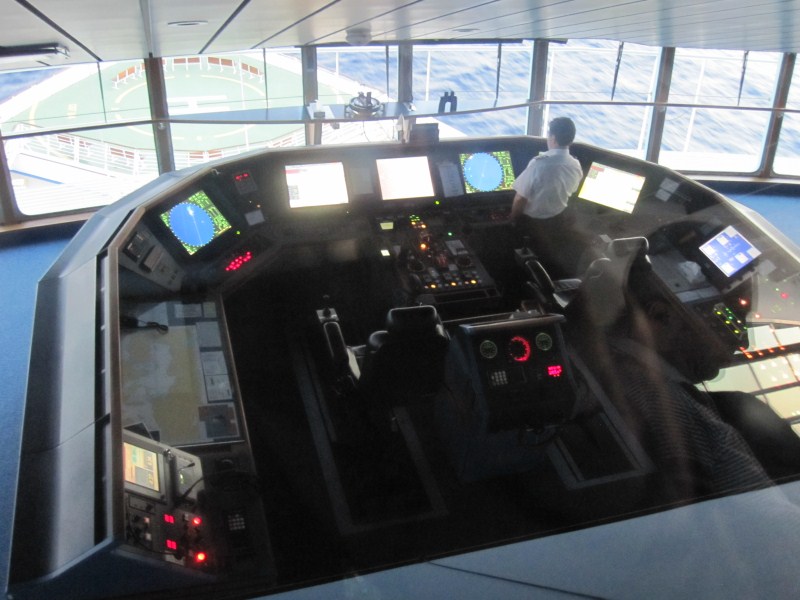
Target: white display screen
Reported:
[(405, 177), (316, 184), (611, 187)]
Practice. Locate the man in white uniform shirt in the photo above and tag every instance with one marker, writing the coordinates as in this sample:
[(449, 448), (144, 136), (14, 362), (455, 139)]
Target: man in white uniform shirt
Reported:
[(543, 190)]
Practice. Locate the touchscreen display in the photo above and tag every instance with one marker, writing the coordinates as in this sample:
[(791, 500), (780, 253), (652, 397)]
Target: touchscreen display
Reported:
[(729, 251)]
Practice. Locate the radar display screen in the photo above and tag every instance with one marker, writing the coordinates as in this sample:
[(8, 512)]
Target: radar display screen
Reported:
[(487, 171), (195, 222), (729, 251)]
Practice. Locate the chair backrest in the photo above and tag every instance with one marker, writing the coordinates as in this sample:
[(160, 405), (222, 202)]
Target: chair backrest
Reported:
[(406, 360)]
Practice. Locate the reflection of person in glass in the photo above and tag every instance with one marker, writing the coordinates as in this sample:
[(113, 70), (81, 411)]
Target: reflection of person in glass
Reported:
[(540, 206), (660, 352)]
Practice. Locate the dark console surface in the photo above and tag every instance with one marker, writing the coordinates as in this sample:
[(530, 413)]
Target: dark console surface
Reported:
[(305, 363)]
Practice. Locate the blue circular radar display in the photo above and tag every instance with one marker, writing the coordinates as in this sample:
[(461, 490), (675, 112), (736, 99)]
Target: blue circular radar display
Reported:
[(191, 224), (483, 172)]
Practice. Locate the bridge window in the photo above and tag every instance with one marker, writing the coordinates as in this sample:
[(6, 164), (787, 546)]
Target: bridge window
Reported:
[(343, 72), (717, 138), (81, 170), (603, 73), (482, 76), (787, 158)]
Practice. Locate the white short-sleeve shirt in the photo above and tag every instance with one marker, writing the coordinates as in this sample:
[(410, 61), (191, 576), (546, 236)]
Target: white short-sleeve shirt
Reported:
[(548, 182)]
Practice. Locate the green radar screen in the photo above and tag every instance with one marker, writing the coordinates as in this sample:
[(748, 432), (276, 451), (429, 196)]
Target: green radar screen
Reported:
[(195, 222), (487, 171)]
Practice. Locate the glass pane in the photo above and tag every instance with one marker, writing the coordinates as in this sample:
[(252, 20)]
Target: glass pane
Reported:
[(718, 140), (469, 70), (512, 121), (584, 70), (284, 77), (707, 139), (195, 144), (383, 130), (343, 72), (124, 88), (215, 83), (74, 96), (624, 129), (714, 77), (515, 73), (787, 157), (67, 172)]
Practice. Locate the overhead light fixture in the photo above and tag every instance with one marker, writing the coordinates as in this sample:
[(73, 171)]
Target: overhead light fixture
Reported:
[(187, 23), (32, 52)]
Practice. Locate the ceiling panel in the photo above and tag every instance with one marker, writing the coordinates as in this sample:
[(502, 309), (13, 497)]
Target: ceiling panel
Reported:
[(125, 29)]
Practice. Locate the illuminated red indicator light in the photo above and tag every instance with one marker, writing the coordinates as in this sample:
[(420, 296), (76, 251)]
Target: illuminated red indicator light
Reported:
[(555, 370), (242, 176), (172, 544), (197, 521), (520, 348), (200, 557), (239, 261), (784, 295), (169, 519)]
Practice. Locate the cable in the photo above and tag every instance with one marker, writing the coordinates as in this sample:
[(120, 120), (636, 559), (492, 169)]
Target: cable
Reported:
[(129, 322)]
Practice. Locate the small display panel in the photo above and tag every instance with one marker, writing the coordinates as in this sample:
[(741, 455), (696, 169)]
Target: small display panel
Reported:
[(487, 171), (405, 177), (141, 467), (316, 184), (729, 251), (195, 222), (610, 187)]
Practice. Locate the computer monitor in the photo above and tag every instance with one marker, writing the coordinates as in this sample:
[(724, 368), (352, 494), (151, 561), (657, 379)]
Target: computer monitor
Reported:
[(404, 177), (144, 470), (729, 251), (487, 171), (611, 187), (195, 221), (316, 184)]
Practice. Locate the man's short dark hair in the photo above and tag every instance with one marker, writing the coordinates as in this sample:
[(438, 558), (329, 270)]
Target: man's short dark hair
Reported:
[(563, 130)]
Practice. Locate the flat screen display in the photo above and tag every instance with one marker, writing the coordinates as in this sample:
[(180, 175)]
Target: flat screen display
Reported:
[(195, 221), (405, 177), (487, 171), (610, 187), (729, 251), (316, 184), (141, 467)]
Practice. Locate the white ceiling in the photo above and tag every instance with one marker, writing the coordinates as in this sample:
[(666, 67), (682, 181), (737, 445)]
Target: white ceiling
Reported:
[(124, 29)]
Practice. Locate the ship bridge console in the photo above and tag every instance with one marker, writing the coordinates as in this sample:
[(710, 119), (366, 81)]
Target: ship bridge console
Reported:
[(301, 363)]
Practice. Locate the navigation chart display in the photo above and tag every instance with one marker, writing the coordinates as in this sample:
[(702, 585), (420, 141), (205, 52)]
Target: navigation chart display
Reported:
[(316, 184), (195, 222), (487, 171), (610, 187), (404, 177)]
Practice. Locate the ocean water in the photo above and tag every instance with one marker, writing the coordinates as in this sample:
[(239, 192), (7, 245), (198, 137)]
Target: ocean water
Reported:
[(14, 82), (578, 72)]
